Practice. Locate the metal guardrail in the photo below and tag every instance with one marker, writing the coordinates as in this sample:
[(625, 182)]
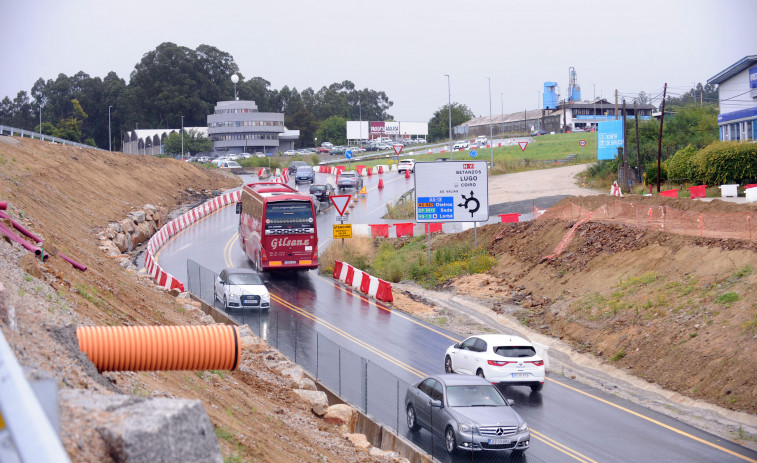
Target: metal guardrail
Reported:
[(368, 387), (12, 131)]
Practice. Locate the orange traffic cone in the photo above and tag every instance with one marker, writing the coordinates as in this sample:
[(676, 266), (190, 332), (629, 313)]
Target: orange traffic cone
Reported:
[(381, 183), (407, 173)]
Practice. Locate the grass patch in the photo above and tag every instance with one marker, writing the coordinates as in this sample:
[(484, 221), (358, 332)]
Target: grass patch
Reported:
[(728, 298), (742, 272), (618, 355), (90, 293)]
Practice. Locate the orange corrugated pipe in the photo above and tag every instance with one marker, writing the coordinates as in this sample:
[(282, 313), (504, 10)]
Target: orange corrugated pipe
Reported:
[(151, 348)]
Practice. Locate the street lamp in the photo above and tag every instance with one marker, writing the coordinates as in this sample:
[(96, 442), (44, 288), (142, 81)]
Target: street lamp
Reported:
[(449, 107), (491, 142), (502, 109), (109, 136), (182, 137), (235, 79)]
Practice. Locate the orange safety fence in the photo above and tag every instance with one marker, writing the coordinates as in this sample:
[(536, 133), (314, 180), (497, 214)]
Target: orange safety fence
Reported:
[(723, 225)]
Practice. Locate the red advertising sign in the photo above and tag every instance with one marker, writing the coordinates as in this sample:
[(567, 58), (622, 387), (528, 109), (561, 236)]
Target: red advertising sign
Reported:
[(377, 128)]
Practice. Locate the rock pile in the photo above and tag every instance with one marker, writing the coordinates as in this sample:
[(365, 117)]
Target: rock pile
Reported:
[(126, 235)]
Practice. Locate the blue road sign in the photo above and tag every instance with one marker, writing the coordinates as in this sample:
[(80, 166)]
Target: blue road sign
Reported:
[(348, 154), (473, 153)]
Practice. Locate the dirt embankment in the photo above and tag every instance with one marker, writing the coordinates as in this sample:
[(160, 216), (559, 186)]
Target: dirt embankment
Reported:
[(675, 310), (66, 196)]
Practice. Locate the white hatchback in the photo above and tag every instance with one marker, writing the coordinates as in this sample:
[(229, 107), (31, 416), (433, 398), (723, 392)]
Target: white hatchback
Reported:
[(499, 358)]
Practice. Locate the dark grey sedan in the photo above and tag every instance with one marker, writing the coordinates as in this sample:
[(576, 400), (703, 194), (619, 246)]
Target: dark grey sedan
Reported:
[(468, 411)]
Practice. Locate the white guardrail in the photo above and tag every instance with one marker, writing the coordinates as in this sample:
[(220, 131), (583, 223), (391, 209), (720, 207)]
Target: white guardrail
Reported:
[(33, 436), (12, 131)]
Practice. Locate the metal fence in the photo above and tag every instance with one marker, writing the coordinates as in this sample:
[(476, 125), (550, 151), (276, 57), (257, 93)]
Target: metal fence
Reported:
[(12, 131), (355, 379)]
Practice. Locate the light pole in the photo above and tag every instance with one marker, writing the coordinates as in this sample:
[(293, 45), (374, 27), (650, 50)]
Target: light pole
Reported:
[(360, 113), (594, 107), (40, 121), (491, 143), (449, 107), (235, 79), (502, 110), (109, 136), (182, 137)]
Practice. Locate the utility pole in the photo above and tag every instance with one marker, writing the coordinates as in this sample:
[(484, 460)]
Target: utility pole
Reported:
[(625, 156), (659, 140), (525, 122), (491, 142), (449, 107), (616, 104), (638, 156)]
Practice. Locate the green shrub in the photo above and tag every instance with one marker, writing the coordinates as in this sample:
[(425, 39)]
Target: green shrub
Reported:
[(679, 166), (650, 174), (726, 162)]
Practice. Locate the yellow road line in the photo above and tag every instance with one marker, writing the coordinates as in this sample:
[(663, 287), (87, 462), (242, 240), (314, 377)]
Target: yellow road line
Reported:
[(652, 420), (562, 448), (157, 254)]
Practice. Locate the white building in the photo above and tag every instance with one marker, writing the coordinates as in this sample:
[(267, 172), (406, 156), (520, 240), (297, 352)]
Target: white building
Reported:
[(737, 96)]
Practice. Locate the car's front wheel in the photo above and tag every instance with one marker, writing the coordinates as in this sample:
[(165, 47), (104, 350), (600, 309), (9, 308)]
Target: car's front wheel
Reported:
[(412, 422), (448, 365), (225, 304), (450, 443)]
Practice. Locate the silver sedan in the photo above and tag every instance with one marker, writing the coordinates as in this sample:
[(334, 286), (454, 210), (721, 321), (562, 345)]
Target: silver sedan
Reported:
[(468, 411)]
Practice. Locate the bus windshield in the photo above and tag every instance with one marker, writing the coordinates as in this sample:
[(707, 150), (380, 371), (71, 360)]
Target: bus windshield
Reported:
[(289, 216)]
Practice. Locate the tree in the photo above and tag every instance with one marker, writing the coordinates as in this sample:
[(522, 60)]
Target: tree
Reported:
[(438, 125), (304, 121), (334, 130), (194, 143)]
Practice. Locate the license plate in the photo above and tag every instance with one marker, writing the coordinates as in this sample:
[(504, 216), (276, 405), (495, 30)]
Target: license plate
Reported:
[(499, 441), (521, 375), (290, 262)]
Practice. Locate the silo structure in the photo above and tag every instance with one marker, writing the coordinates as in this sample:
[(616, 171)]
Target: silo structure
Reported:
[(550, 95)]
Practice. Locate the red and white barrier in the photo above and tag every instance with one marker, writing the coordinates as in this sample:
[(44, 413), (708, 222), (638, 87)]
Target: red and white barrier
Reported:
[(367, 284), (173, 227)]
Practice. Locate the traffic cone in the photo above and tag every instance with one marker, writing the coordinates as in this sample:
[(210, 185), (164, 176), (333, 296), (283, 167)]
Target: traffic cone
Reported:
[(381, 183), (407, 173)]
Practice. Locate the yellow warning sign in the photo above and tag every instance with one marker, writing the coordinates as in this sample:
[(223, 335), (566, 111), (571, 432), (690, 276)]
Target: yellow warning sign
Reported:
[(342, 230)]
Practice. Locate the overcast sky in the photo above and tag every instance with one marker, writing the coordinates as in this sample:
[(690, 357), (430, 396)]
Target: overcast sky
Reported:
[(401, 47)]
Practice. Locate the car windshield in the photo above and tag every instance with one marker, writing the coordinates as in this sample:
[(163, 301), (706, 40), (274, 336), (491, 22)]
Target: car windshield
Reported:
[(347, 175), (474, 396), (315, 188), (244, 279), (515, 351), (304, 170)]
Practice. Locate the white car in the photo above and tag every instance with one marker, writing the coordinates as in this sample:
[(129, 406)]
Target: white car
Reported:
[(461, 145), (290, 153), (241, 288), (500, 358), (482, 140), (406, 164), (234, 157), (229, 165)]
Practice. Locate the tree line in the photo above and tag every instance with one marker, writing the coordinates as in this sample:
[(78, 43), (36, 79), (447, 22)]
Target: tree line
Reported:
[(173, 81)]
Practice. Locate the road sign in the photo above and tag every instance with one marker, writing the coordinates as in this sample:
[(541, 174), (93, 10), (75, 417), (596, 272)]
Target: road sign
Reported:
[(342, 230), (348, 154), (452, 191), (523, 145), (340, 202), (582, 143), (473, 153), (397, 149)]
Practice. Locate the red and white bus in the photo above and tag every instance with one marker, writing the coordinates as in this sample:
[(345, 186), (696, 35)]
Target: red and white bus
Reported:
[(277, 227)]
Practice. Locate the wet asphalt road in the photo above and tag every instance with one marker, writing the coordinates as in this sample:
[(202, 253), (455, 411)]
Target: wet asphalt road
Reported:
[(327, 326)]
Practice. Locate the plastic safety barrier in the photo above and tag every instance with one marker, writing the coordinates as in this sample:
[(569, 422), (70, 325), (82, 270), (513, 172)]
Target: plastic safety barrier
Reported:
[(509, 218), (367, 284), (698, 191)]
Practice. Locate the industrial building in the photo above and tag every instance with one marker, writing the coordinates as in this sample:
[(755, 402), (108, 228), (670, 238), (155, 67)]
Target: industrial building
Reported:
[(150, 141), (737, 99), (555, 115)]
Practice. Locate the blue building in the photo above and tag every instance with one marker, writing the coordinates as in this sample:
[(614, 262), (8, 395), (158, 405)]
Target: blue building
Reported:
[(737, 96)]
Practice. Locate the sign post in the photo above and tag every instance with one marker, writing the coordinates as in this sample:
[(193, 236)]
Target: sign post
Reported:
[(523, 145), (340, 203), (397, 151), (582, 143), (453, 191), (348, 155)]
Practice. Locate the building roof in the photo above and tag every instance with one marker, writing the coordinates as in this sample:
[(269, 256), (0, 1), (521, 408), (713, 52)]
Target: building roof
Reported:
[(733, 69), (503, 118)]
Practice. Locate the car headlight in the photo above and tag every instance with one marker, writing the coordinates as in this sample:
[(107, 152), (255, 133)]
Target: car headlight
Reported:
[(468, 429), (265, 297), (523, 427)]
